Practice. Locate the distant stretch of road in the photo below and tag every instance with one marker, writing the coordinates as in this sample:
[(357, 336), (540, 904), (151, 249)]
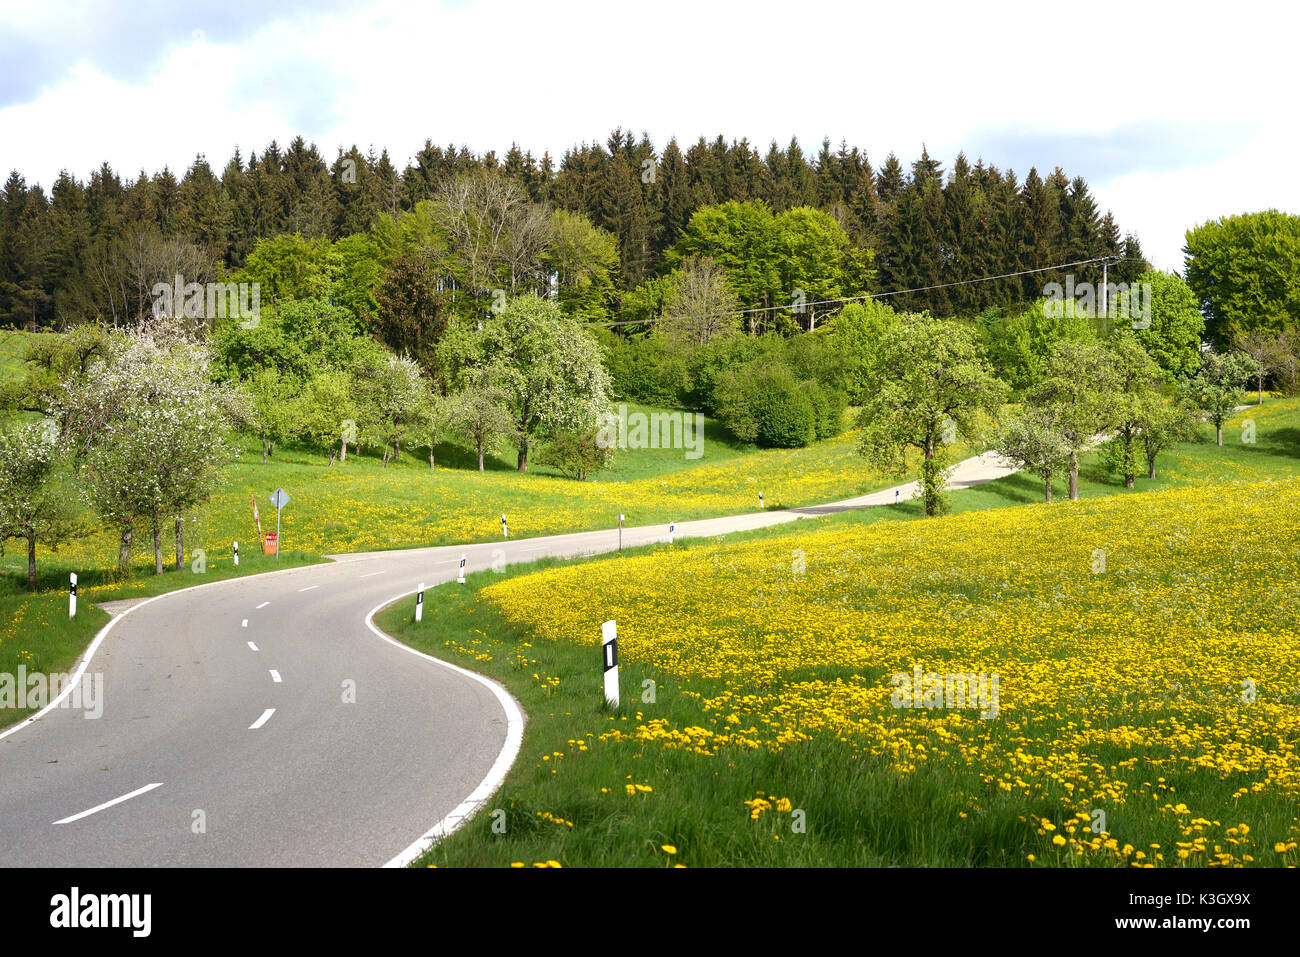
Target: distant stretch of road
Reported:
[(263, 721)]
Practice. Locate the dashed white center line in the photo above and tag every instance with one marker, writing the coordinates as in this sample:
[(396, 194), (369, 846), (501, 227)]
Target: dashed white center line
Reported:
[(266, 716), (371, 574), (275, 676), (253, 646), (309, 588), (108, 804), (244, 623), (261, 606)]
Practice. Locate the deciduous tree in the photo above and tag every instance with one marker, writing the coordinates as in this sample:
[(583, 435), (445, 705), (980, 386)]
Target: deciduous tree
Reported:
[(1216, 387), (928, 381), (36, 502)]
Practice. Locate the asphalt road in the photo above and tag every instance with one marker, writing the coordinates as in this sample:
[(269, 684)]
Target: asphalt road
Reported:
[(227, 737)]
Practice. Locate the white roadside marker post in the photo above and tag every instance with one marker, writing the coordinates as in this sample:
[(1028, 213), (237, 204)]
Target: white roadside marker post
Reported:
[(236, 554), (609, 646), (461, 577), (620, 533), (671, 526), (72, 596), (760, 501), (505, 529), (419, 603)]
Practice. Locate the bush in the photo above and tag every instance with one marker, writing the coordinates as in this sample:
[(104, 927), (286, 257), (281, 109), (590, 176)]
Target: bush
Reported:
[(828, 405), (734, 402), (762, 402), (821, 408), (576, 454), (712, 371), (785, 413), (851, 339), (645, 369), (838, 401)]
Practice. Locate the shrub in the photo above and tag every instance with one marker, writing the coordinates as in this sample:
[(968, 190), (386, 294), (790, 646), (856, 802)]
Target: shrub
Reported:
[(838, 401), (645, 369), (785, 413), (733, 402), (828, 405), (576, 454), (821, 408), (712, 371)]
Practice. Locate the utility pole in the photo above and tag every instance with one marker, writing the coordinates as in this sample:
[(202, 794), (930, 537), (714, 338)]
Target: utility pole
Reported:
[(1105, 286), (1104, 264)]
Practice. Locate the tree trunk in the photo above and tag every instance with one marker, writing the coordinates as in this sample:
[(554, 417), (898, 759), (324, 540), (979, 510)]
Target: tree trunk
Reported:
[(124, 552), (1047, 490), (31, 561), (1218, 432), (927, 481), (272, 452), (180, 542), (157, 548), (332, 454), (343, 450), (397, 449), (480, 455), (431, 465), (1074, 476), (264, 450), (1151, 465), (523, 455)]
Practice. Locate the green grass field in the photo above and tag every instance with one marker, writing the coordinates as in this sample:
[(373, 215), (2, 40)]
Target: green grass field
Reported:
[(361, 506), (1130, 711)]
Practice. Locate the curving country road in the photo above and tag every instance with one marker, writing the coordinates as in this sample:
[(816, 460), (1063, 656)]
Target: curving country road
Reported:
[(226, 740)]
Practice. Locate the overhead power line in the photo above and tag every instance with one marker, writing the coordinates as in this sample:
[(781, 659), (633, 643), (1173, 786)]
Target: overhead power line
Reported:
[(897, 292)]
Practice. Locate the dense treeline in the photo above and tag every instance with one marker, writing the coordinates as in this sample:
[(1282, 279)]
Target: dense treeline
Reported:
[(68, 255)]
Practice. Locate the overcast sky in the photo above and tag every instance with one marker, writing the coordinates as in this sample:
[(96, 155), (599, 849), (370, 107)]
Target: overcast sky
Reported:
[(1174, 113)]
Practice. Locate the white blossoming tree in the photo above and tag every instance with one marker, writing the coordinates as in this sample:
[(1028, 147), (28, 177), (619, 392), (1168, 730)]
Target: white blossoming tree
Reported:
[(147, 428)]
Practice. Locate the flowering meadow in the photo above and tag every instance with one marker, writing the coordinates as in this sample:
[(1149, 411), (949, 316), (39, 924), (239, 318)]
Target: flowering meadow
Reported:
[(1146, 650), (359, 506)]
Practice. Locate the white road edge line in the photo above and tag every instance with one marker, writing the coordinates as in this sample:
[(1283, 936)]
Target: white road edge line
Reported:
[(252, 646), (266, 716), (261, 606), (370, 574), (309, 588), (496, 774), (84, 661), (275, 676), (107, 804)]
